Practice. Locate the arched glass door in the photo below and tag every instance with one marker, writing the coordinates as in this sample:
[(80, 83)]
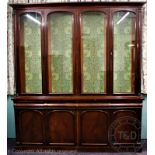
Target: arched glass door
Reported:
[(30, 53), (60, 63), (93, 52), (124, 46)]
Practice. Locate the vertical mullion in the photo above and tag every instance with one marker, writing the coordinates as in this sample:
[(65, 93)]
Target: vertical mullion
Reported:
[(21, 58), (17, 53), (106, 52), (49, 57), (133, 55), (110, 54), (77, 54), (44, 53), (74, 52), (138, 51)]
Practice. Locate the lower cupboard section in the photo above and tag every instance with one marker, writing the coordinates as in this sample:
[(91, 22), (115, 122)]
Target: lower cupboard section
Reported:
[(78, 128)]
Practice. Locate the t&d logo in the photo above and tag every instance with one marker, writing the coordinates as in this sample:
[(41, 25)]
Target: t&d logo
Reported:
[(124, 134)]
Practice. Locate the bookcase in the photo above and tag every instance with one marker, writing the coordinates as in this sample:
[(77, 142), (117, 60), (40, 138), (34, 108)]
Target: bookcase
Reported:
[(78, 75)]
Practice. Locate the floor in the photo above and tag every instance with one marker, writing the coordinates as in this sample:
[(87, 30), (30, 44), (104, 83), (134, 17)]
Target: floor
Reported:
[(11, 151)]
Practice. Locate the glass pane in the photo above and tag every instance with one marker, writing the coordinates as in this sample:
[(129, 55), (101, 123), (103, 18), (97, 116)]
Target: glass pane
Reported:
[(124, 47), (60, 52), (31, 45), (93, 52)]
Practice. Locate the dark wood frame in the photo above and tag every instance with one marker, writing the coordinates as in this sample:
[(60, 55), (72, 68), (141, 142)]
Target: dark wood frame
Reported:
[(125, 105)]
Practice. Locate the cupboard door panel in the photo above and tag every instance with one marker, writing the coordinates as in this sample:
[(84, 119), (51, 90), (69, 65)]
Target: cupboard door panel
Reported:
[(61, 127), (31, 127), (93, 47), (125, 128), (94, 127), (124, 46), (30, 53), (60, 36)]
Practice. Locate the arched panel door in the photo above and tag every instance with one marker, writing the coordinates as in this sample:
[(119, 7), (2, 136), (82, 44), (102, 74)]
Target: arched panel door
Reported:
[(125, 127), (124, 48), (61, 127), (31, 127), (30, 53), (94, 127)]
